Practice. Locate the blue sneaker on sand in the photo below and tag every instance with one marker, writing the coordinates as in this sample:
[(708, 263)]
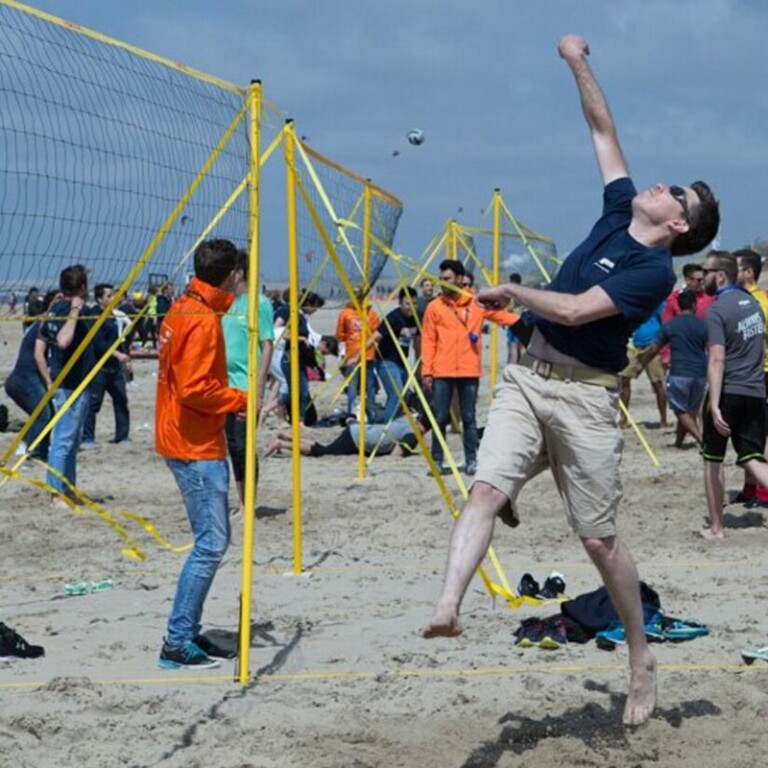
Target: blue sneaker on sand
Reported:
[(187, 656), (608, 639)]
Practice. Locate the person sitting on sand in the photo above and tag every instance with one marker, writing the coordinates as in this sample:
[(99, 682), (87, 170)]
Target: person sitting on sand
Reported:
[(394, 439)]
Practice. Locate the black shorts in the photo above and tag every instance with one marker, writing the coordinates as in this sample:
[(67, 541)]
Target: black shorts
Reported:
[(765, 379), (343, 445), (747, 419), (235, 432)]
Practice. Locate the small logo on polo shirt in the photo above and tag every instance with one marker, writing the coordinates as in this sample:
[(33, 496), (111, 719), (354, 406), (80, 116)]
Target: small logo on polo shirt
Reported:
[(605, 264)]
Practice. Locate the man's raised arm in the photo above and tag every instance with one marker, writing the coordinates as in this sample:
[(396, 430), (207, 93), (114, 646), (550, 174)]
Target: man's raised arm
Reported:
[(575, 50)]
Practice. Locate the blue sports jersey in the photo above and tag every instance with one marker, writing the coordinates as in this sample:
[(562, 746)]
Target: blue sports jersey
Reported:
[(636, 278)]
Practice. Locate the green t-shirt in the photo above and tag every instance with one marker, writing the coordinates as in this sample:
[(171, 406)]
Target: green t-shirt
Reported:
[(235, 327)]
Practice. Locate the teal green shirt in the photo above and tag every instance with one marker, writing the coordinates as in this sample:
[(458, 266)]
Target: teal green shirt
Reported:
[(235, 327)]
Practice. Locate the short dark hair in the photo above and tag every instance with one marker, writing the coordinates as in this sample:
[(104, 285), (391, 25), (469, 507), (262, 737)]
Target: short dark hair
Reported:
[(454, 265), (331, 345), (215, 260), (703, 223), (242, 263), (516, 277), (48, 299), (725, 262), (686, 300), (100, 289), (314, 300), (73, 279), (750, 259), (689, 269), (406, 290)]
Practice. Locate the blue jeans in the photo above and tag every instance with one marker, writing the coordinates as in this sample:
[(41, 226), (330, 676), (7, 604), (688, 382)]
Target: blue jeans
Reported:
[(110, 380), (442, 393), (353, 388), (27, 392), (66, 438), (285, 365), (204, 486), (393, 378)]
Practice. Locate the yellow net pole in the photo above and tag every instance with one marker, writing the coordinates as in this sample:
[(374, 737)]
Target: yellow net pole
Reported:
[(364, 305), (293, 338), (495, 281), (249, 494)]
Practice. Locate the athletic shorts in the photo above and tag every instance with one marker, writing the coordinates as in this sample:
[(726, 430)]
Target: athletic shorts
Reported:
[(686, 393), (571, 424), (746, 417), (654, 369), (765, 378)]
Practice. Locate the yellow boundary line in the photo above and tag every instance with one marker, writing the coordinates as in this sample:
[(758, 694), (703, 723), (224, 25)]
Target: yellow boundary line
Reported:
[(98, 36), (271, 570), (305, 677)]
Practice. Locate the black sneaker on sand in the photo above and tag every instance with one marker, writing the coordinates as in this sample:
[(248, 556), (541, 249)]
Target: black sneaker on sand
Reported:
[(13, 646), (213, 650), (187, 656)]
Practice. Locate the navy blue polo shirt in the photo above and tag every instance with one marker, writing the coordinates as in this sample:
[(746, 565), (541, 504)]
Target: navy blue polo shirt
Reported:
[(636, 278), (57, 316)]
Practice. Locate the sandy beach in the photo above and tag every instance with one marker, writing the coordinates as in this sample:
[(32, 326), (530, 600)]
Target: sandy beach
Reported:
[(341, 675)]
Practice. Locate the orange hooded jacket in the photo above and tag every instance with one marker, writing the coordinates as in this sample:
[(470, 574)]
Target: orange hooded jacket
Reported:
[(192, 393), (349, 330), (447, 347)]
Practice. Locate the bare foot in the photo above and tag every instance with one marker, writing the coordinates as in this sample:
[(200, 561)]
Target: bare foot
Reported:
[(711, 535), (443, 624), (59, 503), (237, 515), (641, 700)]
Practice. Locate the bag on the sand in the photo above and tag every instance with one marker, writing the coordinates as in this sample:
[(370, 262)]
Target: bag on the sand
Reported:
[(594, 611)]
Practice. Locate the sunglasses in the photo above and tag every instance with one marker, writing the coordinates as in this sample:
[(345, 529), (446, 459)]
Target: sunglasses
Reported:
[(679, 194), (706, 270)]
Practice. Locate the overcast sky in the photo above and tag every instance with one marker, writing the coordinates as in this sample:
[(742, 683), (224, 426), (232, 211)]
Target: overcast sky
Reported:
[(686, 80)]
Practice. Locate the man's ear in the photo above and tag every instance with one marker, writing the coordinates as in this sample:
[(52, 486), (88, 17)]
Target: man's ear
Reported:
[(679, 226)]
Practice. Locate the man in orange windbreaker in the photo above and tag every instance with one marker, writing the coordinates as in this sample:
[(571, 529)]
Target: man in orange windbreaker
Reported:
[(349, 331), (451, 349), (193, 399)]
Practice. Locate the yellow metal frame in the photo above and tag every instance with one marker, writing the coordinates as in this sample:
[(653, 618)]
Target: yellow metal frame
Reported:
[(251, 416)]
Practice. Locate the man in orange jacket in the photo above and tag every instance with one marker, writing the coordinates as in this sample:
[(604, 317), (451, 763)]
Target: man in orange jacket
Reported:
[(451, 348), (193, 400), (349, 331)]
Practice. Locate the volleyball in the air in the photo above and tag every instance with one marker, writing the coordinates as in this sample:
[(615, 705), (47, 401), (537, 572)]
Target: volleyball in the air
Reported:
[(416, 137)]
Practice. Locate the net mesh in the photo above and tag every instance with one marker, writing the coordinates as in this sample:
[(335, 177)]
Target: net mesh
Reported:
[(532, 256), (98, 146), (331, 214)]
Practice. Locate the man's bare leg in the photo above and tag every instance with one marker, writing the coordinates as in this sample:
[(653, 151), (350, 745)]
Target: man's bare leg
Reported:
[(690, 425), (620, 577), (714, 487), (470, 540), (660, 390)]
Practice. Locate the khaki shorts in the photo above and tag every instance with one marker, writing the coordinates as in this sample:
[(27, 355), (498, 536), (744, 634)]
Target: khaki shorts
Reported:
[(571, 425), (654, 369)]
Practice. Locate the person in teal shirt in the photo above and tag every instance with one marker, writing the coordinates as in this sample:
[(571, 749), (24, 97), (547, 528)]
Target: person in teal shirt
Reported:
[(235, 327)]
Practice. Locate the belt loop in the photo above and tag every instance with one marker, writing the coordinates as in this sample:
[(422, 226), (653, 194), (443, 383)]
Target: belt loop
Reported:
[(544, 369)]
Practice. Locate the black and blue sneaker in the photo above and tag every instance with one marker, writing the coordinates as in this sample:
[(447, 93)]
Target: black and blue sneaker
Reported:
[(212, 649), (187, 656)]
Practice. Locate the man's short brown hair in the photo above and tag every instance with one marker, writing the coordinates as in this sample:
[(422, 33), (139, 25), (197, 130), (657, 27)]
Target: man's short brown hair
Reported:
[(704, 221)]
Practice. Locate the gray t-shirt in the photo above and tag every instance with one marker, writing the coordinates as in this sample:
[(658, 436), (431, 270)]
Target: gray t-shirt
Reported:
[(392, 435), (736, 321)]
